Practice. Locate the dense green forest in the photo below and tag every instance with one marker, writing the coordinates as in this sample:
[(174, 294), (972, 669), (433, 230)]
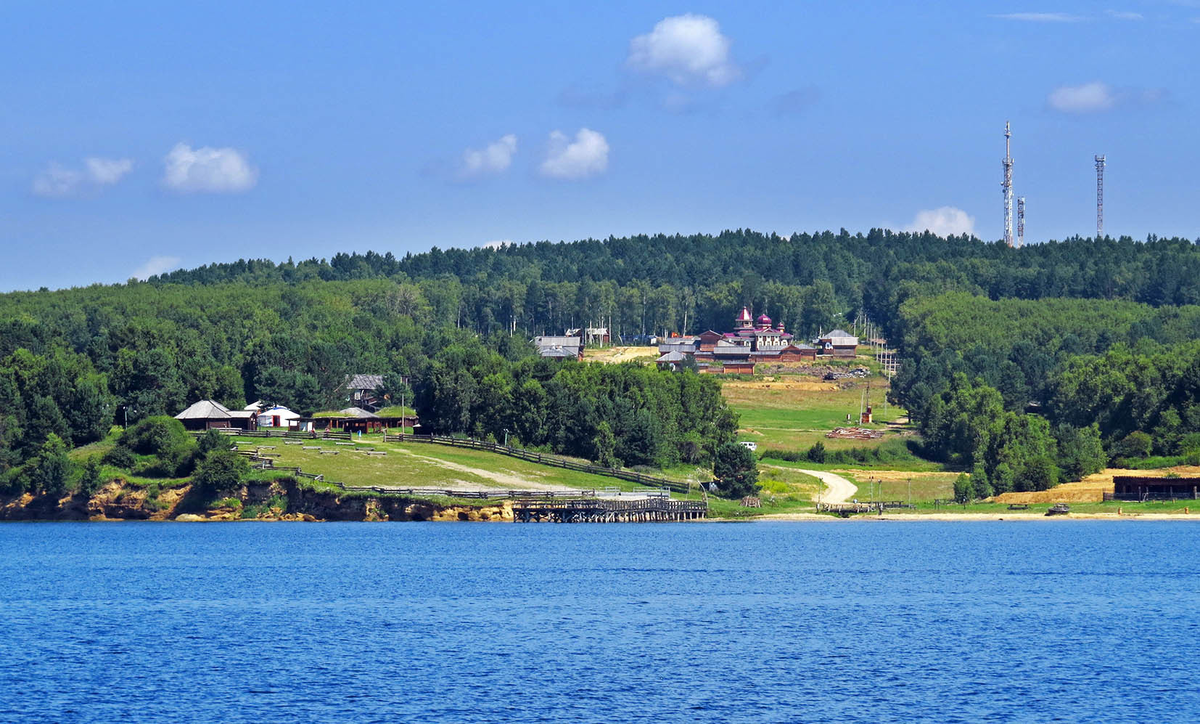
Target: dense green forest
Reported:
[(1014, 336)]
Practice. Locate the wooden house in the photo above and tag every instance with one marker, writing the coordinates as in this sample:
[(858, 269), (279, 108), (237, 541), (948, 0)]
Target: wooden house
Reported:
[(210, 414)]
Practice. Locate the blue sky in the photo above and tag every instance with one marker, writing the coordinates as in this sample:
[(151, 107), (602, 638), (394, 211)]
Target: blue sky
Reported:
[(136, 137)]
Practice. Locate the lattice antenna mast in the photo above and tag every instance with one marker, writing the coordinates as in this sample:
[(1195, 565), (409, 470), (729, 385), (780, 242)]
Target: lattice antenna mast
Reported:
[(1100, 162), (1007, 186), (1020, 221)]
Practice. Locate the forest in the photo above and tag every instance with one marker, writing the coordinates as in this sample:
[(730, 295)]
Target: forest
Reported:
[(1015, 336)]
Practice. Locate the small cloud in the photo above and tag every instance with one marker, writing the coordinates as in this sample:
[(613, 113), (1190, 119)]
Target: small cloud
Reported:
[(1123, 15), (58, 181), (1096, 97), (1040, 17), (688, 49), (498, 244), (495, 158), (944, 221), (586, 156), (796, 101), (107, 171), (155, 266), (209, 170)]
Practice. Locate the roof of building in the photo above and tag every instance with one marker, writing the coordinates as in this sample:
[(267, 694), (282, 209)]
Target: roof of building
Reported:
[(364, 382), (745, 315), (837, 333), (205, 410), (359, 413), (551, 341), (256, 405), (558, 352), (763, 319), (671, 357)]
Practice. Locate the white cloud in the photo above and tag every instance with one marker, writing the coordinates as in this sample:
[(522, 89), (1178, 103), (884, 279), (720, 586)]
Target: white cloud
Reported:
[(1123, 15), (494, 159), (498, 244), (1086, 98), (688, 49), (155, 266), (107, 171), (944, 221), (58, 181), (212, 170), (586, 156), (1040, 17)]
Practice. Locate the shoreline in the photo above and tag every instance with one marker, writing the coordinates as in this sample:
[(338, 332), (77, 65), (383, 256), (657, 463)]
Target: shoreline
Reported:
[(957, 517)]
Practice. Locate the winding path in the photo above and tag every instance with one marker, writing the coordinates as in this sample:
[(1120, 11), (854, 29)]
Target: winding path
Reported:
[(837, 488)]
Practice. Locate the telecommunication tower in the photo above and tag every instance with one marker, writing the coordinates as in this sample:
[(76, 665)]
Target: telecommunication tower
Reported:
[(1020, 221), (1007, 186), (1100, 161)]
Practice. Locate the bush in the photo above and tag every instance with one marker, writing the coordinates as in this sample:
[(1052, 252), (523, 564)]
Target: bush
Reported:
[(221, 471), (209, 441), (962, 488), (119, 457), (155, 436), (816, 453), (735, 471), (50, 469), (89, 482)]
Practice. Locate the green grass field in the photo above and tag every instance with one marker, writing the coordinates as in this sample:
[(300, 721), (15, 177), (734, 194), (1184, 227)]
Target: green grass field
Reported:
[(425, 465), (792, 412)]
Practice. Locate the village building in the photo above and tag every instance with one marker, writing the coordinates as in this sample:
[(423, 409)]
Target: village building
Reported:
[(564, 347), (351, 419), (212, 415), (1140, 487), (365, 391), (672, 361), (838, 343), (277, 416), (591, 335)]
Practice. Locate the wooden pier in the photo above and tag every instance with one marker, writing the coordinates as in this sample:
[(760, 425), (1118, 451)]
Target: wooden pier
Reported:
[(599, 510)]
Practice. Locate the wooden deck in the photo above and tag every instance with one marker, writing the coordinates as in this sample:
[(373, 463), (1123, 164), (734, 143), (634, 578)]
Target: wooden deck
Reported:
[(647, 510)]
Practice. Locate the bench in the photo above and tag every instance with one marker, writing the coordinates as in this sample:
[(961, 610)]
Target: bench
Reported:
[(374, 453), (292, 442), (267, 447), (311, 447), (344, 443), (327, 452), (1018, 506)]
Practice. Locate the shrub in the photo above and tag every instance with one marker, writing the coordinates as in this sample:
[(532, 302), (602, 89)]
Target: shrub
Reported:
[(962, 488), (51, 468), (735, 471), (89, 482), (155, 436), (816, 453), (119, 457), (221, 471)]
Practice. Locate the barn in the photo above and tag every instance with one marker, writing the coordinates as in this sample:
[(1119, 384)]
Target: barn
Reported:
[(1138, 487)]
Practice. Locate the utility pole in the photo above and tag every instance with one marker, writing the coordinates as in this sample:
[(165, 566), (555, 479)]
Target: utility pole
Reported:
[(1006, 185), (1100, 163)]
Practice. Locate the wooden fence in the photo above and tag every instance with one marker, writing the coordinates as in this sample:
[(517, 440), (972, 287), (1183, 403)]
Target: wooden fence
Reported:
[(542, 459)]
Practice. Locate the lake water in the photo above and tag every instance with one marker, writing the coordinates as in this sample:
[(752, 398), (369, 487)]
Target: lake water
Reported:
[(763, 622)]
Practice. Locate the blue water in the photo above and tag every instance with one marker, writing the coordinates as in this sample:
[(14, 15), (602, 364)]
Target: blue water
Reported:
[(258, 622)]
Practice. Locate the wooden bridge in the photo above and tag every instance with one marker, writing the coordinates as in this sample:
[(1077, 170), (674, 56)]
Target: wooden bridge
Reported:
[(598, 510)]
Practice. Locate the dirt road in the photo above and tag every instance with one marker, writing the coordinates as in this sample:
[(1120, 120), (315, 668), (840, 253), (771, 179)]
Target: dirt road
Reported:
[(837, 488)]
